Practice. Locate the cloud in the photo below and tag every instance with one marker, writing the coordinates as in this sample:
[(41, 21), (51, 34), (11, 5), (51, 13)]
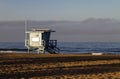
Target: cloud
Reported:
[(88, 30)]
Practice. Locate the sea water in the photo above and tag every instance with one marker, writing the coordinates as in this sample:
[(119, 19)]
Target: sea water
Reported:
[(73, 47)]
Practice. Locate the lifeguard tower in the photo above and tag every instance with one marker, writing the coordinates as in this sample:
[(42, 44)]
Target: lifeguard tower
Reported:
[(39, 40)]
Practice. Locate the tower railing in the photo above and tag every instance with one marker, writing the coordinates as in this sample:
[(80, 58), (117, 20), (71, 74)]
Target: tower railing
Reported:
[(52, 43), (27, 42), (52, 48)]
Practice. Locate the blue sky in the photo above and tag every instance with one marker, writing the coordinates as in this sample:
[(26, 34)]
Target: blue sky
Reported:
[(74, 10)]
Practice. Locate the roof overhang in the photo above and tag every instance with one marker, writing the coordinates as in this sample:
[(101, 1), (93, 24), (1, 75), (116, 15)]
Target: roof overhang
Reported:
[(40, 30)]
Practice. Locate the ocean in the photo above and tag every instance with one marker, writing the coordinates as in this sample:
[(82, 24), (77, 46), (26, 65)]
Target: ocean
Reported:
[(73, 47)]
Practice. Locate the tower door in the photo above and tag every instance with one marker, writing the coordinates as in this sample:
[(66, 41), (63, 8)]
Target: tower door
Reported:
[(35, 39)]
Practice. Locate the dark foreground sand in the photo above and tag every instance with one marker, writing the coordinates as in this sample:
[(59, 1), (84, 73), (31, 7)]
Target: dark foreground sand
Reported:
[(59, 66)]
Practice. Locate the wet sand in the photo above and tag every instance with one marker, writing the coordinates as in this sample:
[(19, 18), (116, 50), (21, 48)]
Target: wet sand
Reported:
[(59, 66)]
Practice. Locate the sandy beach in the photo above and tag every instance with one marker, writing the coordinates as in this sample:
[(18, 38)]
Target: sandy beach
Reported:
[(59, 66)]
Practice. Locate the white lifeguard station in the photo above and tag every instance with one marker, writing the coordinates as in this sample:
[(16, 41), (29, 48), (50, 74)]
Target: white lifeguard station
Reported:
[(39, 40)]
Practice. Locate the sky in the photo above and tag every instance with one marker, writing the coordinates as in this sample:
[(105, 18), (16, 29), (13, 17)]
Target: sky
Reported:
[(73, 20), (73, 10)]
